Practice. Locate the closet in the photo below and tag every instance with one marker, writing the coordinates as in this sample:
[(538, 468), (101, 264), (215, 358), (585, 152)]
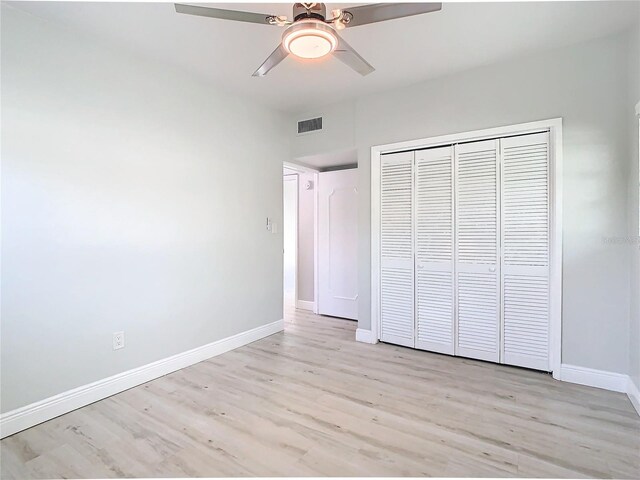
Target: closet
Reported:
[(464, 245)]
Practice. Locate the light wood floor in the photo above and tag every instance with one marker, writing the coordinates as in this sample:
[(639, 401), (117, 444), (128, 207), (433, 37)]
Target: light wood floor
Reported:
[(313, 402)]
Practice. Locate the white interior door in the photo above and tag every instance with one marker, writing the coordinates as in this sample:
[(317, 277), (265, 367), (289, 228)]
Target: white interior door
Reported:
[(477, 242), (396, 307), (338, 243), (434, 249), (525, 250)]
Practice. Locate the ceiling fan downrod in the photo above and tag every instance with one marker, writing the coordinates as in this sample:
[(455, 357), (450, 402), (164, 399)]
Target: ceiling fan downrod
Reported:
[(303, 11)]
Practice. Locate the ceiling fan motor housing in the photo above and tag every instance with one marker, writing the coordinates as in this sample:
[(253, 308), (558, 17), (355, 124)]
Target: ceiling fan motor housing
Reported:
[(317, 11)]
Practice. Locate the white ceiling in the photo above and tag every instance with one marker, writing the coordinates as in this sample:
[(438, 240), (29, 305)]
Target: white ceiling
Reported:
[(404, 51), (332, 159)]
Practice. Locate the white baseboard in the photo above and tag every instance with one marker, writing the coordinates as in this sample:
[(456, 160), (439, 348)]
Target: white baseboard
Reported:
[(633, 392), (365, 336), (616, 382), (305, 305), (38, 412)]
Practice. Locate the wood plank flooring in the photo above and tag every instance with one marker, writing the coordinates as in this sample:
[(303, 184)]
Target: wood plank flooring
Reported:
[(313, 402)]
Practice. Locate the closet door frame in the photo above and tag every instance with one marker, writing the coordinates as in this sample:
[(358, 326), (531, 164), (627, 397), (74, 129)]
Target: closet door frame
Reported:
[(554, 127)]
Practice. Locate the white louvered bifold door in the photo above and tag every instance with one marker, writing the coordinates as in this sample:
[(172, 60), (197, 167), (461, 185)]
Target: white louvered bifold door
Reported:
[(477, 241), (525, 246), (434, 249), (396, 249)]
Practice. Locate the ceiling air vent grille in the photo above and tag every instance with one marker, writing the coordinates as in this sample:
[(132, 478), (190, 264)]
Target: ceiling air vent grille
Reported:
[(311, 125)]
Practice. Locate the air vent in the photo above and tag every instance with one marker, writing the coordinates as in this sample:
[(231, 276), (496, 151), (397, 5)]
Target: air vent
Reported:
[(311, 125)]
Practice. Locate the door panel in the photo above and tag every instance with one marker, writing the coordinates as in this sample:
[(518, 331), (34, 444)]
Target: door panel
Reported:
[(434, 249), (477, 286), (396, 249), (478, 322), (525, 245), (338, 244)]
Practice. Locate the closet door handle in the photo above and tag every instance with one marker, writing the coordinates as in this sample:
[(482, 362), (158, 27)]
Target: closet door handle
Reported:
[(492, 269)]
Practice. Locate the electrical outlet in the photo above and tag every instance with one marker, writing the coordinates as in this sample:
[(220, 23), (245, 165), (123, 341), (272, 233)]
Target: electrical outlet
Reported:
[(118, 340)]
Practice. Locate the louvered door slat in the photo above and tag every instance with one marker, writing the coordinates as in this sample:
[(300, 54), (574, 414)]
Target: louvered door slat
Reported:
[(434, 249), (396, 249), (477, 241), (525, 244)]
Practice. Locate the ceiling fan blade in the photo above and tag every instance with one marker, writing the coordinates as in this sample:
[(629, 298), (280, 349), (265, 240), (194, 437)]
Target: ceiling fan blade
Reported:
[(379, 12), (274, 59), (347, 55), (225, 14)]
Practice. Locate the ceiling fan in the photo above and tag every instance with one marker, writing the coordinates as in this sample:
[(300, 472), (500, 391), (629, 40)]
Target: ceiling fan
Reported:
[(310, 34)]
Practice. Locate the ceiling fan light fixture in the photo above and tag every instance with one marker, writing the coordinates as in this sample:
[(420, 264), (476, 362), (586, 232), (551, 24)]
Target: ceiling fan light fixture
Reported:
[(309, 39)]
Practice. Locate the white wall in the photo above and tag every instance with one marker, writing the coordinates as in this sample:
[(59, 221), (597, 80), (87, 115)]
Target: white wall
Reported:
[(306, 237), (337, 135), (134, 198), (634, 205), (586, 84)]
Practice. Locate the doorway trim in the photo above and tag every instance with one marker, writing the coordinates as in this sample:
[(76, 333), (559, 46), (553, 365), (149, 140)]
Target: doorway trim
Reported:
[(554, 127)]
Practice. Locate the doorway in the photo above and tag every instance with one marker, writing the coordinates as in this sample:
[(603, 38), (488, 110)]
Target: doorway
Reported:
[(320, 235)]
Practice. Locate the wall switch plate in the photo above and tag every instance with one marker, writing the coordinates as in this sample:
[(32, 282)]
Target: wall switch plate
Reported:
[(272, 226), (118, 340)]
